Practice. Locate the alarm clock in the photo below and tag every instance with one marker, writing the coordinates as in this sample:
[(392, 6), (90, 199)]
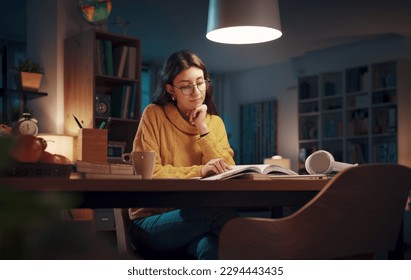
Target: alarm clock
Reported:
[(27, 125)]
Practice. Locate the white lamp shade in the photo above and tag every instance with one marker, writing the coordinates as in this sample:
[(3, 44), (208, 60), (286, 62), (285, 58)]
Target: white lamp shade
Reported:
[(243, 21)]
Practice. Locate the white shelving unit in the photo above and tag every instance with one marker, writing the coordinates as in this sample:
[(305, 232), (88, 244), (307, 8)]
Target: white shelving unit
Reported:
[(352, 113)]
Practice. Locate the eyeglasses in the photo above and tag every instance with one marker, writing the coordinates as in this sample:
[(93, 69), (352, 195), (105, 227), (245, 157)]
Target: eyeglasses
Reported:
[(189, 89)]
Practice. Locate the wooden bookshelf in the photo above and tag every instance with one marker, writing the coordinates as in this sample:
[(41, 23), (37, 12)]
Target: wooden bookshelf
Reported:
[(90, 88)]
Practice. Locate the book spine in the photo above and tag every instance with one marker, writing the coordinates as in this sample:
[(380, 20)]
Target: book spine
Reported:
[(130, 72), (123, 100), (109, 57), (119, 60), (126, 104), (392, 119), (102, 57), (97, 57), (133, 98), (116, 100)]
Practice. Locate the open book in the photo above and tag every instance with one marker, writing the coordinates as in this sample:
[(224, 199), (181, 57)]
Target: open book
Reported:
[(238, 170)]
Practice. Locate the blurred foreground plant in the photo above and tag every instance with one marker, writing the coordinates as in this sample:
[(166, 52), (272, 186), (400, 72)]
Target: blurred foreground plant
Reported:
[(31, 226)]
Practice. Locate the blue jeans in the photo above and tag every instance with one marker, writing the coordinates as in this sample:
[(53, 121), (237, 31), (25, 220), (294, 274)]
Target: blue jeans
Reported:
[(195, 229)]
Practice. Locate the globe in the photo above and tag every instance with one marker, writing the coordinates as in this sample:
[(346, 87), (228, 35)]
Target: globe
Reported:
[(95, 11)]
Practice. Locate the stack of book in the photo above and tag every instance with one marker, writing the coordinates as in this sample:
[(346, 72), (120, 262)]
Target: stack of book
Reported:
[(93, 170)]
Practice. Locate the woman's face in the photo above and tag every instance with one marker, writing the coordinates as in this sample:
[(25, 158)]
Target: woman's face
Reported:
[(186, 95)]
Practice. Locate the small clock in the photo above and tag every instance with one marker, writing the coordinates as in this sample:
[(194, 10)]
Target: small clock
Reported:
[(27, 125)]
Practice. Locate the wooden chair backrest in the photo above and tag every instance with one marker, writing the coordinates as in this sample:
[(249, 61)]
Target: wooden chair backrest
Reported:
[(359, 211), (138, 250), (122, 221)]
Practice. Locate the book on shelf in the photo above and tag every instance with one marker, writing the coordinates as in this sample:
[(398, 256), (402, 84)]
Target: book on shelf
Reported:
[(385, 152), (108, 48), (122, 101), (104, 168), (106, 60), (357, 152), (130, 68), (101, 53), (97, 58), (119, 60), (240, 170), (116, 100), (125, 104), (392, 120), (132, 109)]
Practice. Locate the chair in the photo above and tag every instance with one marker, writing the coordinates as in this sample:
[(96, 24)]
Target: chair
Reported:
[(127, 248), (122, 221), (357, 214)]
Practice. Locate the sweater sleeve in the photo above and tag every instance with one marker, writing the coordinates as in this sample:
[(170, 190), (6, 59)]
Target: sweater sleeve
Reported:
[(215, 144), (148, 139)]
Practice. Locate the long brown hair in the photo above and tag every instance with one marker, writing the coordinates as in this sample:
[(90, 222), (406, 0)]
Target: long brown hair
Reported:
[(176, 63)]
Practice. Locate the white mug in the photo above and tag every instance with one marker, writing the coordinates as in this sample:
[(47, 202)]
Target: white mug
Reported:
[(143, 162)]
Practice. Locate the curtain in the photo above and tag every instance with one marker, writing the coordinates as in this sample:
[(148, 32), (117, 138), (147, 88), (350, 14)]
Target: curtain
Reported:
[(258, 131)]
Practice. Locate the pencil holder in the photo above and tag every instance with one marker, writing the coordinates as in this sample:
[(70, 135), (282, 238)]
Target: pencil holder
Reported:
[(92, 145)]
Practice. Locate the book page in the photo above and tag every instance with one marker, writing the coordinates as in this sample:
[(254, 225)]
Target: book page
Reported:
[(235, 170), (254, 168), (272, 168)]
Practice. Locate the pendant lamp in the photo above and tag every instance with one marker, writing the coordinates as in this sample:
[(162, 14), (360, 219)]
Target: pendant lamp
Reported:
[(243, 21)]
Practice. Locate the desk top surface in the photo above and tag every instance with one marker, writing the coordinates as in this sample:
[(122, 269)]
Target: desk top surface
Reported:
[(163, 185)]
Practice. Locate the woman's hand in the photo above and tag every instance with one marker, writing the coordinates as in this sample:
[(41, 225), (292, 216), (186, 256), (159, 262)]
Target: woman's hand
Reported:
[(197, 117), (214, 166)]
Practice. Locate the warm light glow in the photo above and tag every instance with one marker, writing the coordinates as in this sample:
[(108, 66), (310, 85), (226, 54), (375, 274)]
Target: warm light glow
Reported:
[(243, 21), (59, 144), (244, 35)]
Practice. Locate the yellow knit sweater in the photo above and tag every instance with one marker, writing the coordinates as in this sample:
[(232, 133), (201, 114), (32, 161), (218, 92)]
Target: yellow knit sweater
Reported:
[(181, 152)]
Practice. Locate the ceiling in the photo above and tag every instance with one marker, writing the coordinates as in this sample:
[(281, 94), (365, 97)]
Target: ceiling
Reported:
[(165, 26)]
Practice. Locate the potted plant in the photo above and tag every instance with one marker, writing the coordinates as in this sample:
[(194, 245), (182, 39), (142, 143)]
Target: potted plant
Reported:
[(31, 75)]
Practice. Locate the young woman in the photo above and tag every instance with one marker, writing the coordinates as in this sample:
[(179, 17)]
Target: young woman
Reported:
[(190, 140)]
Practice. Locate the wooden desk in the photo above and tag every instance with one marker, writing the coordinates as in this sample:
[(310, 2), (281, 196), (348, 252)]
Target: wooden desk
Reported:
[(96, 193), (117, 193)]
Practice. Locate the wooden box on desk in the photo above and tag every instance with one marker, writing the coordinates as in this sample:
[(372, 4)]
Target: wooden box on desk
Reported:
[(92, 145)]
